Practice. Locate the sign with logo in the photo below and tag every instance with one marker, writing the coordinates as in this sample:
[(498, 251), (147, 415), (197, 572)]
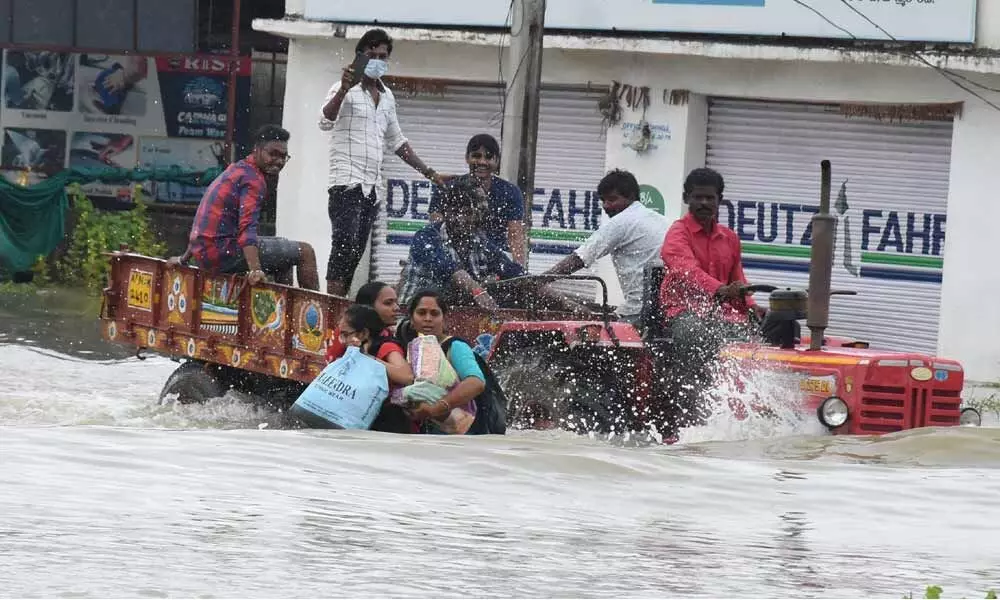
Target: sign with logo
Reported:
[(878, 242), (573, 213), (652, 199), (195, 96), (80, 110), (905, 20), (633, 133)]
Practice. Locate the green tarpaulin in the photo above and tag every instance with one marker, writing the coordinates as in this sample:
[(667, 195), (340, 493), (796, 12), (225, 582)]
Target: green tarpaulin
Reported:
[(32, 219)]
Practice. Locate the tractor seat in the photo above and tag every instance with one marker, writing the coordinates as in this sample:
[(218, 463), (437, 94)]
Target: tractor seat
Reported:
[(651, 320)]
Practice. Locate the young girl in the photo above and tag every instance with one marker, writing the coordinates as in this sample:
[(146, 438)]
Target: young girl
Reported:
[(382, 298), (362, 327)]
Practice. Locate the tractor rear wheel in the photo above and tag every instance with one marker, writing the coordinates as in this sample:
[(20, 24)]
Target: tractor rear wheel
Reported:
[(549, 390), (193, 384)]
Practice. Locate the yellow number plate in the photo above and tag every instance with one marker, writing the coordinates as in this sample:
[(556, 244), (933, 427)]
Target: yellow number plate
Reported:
[(816, 385), (140, 289)]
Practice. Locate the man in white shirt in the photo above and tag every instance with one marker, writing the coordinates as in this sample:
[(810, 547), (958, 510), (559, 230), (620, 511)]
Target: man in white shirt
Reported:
[(362, 122), (633, 236)]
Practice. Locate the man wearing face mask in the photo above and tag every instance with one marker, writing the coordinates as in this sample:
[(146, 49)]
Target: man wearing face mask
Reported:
[(362, 122)]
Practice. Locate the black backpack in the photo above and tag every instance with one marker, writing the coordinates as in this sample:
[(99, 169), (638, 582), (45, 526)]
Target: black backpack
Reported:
[(491, 405)]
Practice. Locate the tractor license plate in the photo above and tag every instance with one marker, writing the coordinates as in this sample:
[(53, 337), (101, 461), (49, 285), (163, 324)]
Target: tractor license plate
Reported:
[(819, 385), (140, 289)]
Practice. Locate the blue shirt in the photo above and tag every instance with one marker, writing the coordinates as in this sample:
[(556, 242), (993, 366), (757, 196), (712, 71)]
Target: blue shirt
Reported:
[(433, 261), (506, 204), (463, 359)]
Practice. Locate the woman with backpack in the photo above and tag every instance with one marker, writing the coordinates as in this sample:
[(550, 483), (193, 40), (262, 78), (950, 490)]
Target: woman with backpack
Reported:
[(477, 390)]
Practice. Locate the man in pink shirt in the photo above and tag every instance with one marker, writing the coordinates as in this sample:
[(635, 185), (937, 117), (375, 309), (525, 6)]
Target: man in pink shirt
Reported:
[(703, 259), (701, 292)]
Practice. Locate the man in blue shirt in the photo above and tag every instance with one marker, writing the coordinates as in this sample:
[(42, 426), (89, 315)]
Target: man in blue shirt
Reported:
[(454, 255), (504, 219)]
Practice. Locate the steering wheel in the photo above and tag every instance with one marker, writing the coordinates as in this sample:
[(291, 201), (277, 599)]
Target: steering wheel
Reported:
[(749, 290), (528, 286)]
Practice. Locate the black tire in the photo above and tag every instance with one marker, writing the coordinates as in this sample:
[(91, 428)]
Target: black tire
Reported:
[(518, 377), (556, 389), (193, 384)]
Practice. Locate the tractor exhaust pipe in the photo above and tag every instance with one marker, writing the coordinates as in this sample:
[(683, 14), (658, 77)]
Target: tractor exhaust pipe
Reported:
[(824, 226)]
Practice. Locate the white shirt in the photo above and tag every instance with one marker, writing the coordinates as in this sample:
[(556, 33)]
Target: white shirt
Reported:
[(633, 237), (360, 136)]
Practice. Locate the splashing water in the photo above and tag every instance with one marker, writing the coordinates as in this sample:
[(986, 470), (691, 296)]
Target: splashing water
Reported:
[(141, 509), (751, 400), (748, 400), (46, 388)]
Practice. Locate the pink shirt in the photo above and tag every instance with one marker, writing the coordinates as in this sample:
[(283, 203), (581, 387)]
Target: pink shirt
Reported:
[(697, 263)]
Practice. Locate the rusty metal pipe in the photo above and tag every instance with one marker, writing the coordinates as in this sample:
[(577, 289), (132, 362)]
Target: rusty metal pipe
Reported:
[(824, 227), (234, 62)]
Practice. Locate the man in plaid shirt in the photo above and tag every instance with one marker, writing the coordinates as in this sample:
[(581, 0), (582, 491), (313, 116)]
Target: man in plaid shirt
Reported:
[(224, 233)]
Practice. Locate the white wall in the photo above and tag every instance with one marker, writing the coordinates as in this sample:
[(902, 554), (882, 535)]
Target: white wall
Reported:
[(665, 167), (970, 299), (969, 294), (988, 24)]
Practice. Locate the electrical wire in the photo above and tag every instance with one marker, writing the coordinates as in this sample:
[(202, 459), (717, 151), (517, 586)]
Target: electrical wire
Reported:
[(505, 92), (825, 18), (948, 74), (944, 72), (866, 18)]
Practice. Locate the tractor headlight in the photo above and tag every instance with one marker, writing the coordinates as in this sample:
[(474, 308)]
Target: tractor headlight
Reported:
[(970, 416), (832, 412)]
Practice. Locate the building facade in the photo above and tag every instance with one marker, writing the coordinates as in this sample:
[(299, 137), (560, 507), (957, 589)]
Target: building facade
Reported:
[(909, 128)]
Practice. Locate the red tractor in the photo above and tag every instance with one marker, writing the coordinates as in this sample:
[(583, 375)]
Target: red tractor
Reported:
[(613, 377)]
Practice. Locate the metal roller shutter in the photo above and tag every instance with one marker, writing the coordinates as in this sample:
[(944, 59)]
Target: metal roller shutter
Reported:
[(890, 234), (571, 156)]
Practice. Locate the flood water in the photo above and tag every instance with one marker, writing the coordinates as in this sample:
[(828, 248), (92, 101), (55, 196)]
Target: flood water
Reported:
[(104, 493)]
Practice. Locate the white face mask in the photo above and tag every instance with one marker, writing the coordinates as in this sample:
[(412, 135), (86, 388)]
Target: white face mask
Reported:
[(376, 68)]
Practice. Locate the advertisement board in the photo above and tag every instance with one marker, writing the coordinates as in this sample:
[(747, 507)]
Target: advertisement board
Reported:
[(906, 20), (62, 109)]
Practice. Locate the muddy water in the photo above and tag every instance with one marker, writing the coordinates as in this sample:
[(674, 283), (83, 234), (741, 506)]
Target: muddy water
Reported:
[(104, 493)]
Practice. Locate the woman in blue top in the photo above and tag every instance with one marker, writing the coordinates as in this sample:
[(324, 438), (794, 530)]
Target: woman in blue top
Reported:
[(427, 311)]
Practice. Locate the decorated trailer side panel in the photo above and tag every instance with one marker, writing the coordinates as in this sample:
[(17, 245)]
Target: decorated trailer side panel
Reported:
[(269, 329), (183, 312)]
